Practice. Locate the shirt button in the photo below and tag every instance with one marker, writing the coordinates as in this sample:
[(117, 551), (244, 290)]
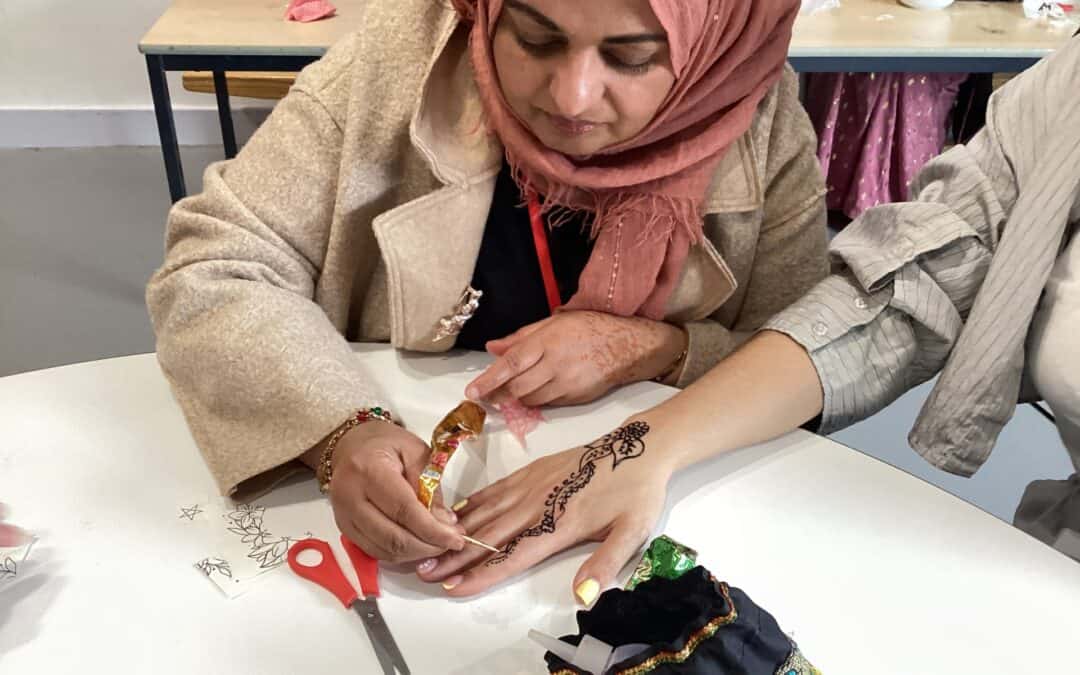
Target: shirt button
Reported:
[(820, 329), (861, 303)]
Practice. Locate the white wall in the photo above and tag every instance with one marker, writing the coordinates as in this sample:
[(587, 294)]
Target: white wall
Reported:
[(71, 74)]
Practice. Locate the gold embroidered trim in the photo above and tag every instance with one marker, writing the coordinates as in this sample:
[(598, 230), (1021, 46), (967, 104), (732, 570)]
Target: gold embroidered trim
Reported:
[(797, 665)]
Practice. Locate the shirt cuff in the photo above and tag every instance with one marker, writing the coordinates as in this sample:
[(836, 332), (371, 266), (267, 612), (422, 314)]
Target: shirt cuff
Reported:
[(828, 324)]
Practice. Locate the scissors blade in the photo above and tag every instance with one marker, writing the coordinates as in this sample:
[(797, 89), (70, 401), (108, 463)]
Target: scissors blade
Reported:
[(385, 660), (386, 648)]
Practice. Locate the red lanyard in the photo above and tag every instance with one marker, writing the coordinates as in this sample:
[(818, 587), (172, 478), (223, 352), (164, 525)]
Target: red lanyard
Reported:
[(547, 270)]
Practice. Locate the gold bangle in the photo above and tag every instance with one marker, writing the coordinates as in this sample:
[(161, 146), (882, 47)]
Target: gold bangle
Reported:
[(325, 471), (670, 370)]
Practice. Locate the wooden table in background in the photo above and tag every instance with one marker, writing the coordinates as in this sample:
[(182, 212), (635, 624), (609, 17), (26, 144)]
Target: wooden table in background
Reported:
[(859, 36), (885, 36)]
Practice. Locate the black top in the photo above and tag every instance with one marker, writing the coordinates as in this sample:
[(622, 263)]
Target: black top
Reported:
[(508, 269)]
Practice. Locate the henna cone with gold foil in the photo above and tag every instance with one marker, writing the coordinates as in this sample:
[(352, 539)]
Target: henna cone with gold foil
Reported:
[(464, 423)]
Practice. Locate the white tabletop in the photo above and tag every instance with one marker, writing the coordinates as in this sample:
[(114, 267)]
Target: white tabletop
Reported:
[(873, 571), (870, 28)]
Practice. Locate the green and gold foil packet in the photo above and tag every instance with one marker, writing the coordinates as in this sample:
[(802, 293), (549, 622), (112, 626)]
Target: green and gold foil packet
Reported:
[(665, 558)]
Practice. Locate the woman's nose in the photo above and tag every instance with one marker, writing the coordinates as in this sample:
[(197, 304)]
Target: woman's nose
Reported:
[(576, 84)]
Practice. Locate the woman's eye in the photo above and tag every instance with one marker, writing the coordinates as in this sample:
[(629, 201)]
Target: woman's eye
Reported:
[(633, 67), (538, 46)]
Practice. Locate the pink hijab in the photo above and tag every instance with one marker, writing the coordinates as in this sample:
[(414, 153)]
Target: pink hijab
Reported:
[(646, 193)]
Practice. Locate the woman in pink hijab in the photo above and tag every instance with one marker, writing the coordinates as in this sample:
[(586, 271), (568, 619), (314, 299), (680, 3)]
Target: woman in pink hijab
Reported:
[(644, 179), (597, 192)]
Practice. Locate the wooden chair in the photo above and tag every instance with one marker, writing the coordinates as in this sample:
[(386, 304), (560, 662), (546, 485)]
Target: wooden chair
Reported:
[(262, 85), (253, 84)]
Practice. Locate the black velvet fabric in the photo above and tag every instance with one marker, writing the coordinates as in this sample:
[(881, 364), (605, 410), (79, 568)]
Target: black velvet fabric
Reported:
[(666, 613)]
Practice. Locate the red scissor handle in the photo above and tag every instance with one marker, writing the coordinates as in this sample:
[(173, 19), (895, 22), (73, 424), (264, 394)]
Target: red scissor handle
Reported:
[(367, 568), (327, 573)]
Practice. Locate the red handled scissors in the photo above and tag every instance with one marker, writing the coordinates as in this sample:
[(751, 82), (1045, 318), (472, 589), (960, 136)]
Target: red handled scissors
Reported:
[(328, 574)]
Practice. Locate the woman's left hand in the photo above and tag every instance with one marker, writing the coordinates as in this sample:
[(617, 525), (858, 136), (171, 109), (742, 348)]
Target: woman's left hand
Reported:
[(575, 357), (611, 491)]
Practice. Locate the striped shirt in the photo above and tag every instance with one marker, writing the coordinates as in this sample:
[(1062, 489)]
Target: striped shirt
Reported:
[(948, 282)]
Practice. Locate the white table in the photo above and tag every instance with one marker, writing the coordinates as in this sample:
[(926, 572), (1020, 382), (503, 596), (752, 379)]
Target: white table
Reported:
[(873, 571)]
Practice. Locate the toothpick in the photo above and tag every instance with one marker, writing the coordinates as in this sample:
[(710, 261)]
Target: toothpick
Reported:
[(477, 542)]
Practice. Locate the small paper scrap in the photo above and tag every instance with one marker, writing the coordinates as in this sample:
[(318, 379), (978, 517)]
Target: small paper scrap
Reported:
[(814, 6), (520, 419), (12, 559), (1040, 9), (306, 11)]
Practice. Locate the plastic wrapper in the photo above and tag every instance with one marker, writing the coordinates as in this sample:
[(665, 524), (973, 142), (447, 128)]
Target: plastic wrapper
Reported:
[(665, 558)]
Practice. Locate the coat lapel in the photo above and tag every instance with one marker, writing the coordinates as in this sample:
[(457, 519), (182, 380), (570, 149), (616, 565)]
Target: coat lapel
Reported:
[(430, 245), (707, 281)]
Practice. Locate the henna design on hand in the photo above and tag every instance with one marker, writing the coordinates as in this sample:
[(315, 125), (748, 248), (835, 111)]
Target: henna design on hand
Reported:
[(622, 444)]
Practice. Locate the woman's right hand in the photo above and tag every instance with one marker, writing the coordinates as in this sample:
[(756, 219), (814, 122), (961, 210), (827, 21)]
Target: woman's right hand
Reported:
[(376, 473)]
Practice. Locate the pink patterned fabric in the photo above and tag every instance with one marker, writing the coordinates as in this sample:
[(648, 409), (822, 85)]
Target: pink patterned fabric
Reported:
[(520, 419), (876, 130), (306, 11)]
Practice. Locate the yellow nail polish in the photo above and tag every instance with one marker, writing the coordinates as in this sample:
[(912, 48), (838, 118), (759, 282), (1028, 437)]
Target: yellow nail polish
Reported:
[(451, 583), (587, 591), (460, 505)]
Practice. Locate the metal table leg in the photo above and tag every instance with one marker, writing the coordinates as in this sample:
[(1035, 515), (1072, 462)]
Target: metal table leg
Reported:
[(170, 148), (228, 134)]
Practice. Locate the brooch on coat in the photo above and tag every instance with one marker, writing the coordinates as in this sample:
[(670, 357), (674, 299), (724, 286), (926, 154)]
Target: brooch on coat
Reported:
[(451, 325)]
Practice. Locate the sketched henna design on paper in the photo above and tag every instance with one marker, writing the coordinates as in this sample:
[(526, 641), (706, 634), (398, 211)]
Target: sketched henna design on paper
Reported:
[(8, 568), (9, 565), (209, 566), (622, 444), (189, 514), (268, 552)]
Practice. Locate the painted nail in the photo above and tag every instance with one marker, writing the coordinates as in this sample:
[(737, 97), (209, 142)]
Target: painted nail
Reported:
[(427, 565), (460, 505), (587, 591), (451, 583)]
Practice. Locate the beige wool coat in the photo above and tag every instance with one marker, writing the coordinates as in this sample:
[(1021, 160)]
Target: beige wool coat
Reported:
[(355, 213)]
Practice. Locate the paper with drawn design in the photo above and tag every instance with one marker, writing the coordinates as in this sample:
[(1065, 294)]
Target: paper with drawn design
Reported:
[(15, 562), (247, 540)]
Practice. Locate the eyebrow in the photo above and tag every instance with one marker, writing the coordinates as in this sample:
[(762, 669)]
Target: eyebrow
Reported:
[(544, 21)]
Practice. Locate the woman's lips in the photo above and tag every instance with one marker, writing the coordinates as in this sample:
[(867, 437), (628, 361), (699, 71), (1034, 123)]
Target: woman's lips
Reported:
[(571, 127)]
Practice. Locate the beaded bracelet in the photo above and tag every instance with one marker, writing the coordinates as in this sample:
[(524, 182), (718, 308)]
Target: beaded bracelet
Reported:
[(326, 468)]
